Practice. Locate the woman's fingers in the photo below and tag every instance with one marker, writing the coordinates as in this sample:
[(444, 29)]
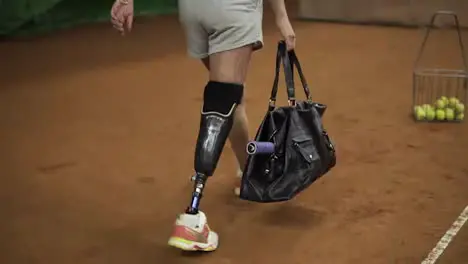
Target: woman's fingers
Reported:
[(122, 15)]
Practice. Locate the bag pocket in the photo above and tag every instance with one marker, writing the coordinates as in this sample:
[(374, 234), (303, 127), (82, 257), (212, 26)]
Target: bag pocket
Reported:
[(305, 148), (307, 164)]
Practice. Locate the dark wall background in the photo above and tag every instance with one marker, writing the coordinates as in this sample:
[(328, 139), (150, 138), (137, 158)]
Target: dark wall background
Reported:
[(30, 17)]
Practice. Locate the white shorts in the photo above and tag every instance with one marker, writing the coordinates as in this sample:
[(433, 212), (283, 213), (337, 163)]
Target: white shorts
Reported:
[(213, 26)]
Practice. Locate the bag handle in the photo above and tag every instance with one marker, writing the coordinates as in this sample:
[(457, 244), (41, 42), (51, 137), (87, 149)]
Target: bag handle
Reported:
[(288, 68), (280, 54), (274, 89), (428, 31), (295, 60), (288, 59)]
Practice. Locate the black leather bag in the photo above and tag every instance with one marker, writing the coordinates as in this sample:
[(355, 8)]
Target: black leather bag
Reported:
[(303, 151)]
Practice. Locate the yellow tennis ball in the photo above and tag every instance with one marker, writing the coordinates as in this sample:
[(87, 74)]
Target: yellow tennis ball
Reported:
[(460, 117), (440, 114), (449, 114), (419, 113), (430, 114), (453, 101), (426, 107), (445, 99), (460, 108), (440, 104)]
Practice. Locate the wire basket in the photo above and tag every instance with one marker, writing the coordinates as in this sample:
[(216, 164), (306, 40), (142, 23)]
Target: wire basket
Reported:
[(439, 95)]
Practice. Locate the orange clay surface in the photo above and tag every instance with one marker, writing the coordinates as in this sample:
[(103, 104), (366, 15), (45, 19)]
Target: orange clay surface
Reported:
[(97, 138)]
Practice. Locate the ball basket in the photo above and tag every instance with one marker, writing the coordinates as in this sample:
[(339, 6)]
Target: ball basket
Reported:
[(440, 95)]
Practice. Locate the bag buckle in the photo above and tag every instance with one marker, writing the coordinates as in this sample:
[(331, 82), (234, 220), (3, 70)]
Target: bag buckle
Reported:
[(329, 142), (292, 102), (272, 103)]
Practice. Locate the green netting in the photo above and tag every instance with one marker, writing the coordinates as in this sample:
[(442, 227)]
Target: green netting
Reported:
[(30, 17)]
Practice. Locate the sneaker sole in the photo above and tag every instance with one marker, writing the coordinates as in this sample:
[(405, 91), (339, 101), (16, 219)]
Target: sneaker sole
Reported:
[(187, 245)]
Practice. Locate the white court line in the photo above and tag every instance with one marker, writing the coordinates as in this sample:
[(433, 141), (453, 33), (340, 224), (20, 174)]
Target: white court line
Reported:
[(447, 238)]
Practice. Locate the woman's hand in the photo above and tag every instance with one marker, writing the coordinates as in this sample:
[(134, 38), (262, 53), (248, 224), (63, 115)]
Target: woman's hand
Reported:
[(122, 15), (285, 27)]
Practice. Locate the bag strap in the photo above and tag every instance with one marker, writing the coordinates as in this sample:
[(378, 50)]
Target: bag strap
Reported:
[(295, 60), (274, 89), (288, 59), (282, 58), (288, 74)]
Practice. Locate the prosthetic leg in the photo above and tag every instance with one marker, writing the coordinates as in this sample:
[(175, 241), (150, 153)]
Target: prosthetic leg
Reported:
[(192, 232)]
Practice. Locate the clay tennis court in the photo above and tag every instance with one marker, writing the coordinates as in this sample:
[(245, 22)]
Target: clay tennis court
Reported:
[(97, 135)]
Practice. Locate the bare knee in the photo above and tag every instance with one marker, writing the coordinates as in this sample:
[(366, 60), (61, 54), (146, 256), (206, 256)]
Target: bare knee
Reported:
[(230, 66)]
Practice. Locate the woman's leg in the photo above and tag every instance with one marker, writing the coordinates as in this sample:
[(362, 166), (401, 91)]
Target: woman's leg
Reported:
[(239, 136), (233, 31)]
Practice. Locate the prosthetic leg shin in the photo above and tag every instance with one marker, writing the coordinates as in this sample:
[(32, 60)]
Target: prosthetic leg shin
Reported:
[(220, 101)]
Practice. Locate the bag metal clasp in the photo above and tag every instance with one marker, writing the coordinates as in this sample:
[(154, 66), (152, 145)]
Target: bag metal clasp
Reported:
[(272, 103)]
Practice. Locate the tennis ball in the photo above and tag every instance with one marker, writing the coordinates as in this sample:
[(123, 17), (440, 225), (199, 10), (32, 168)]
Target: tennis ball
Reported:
[(445, 99), (419, 113), (460, 108), (426, 107), (418, 108), (449, 114), (460, 117), (430, 114), (453, 101), (440, 114), (440, 104)]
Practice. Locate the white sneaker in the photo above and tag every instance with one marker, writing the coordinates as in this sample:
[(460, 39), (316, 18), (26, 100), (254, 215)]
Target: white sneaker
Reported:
[(192, 233)]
